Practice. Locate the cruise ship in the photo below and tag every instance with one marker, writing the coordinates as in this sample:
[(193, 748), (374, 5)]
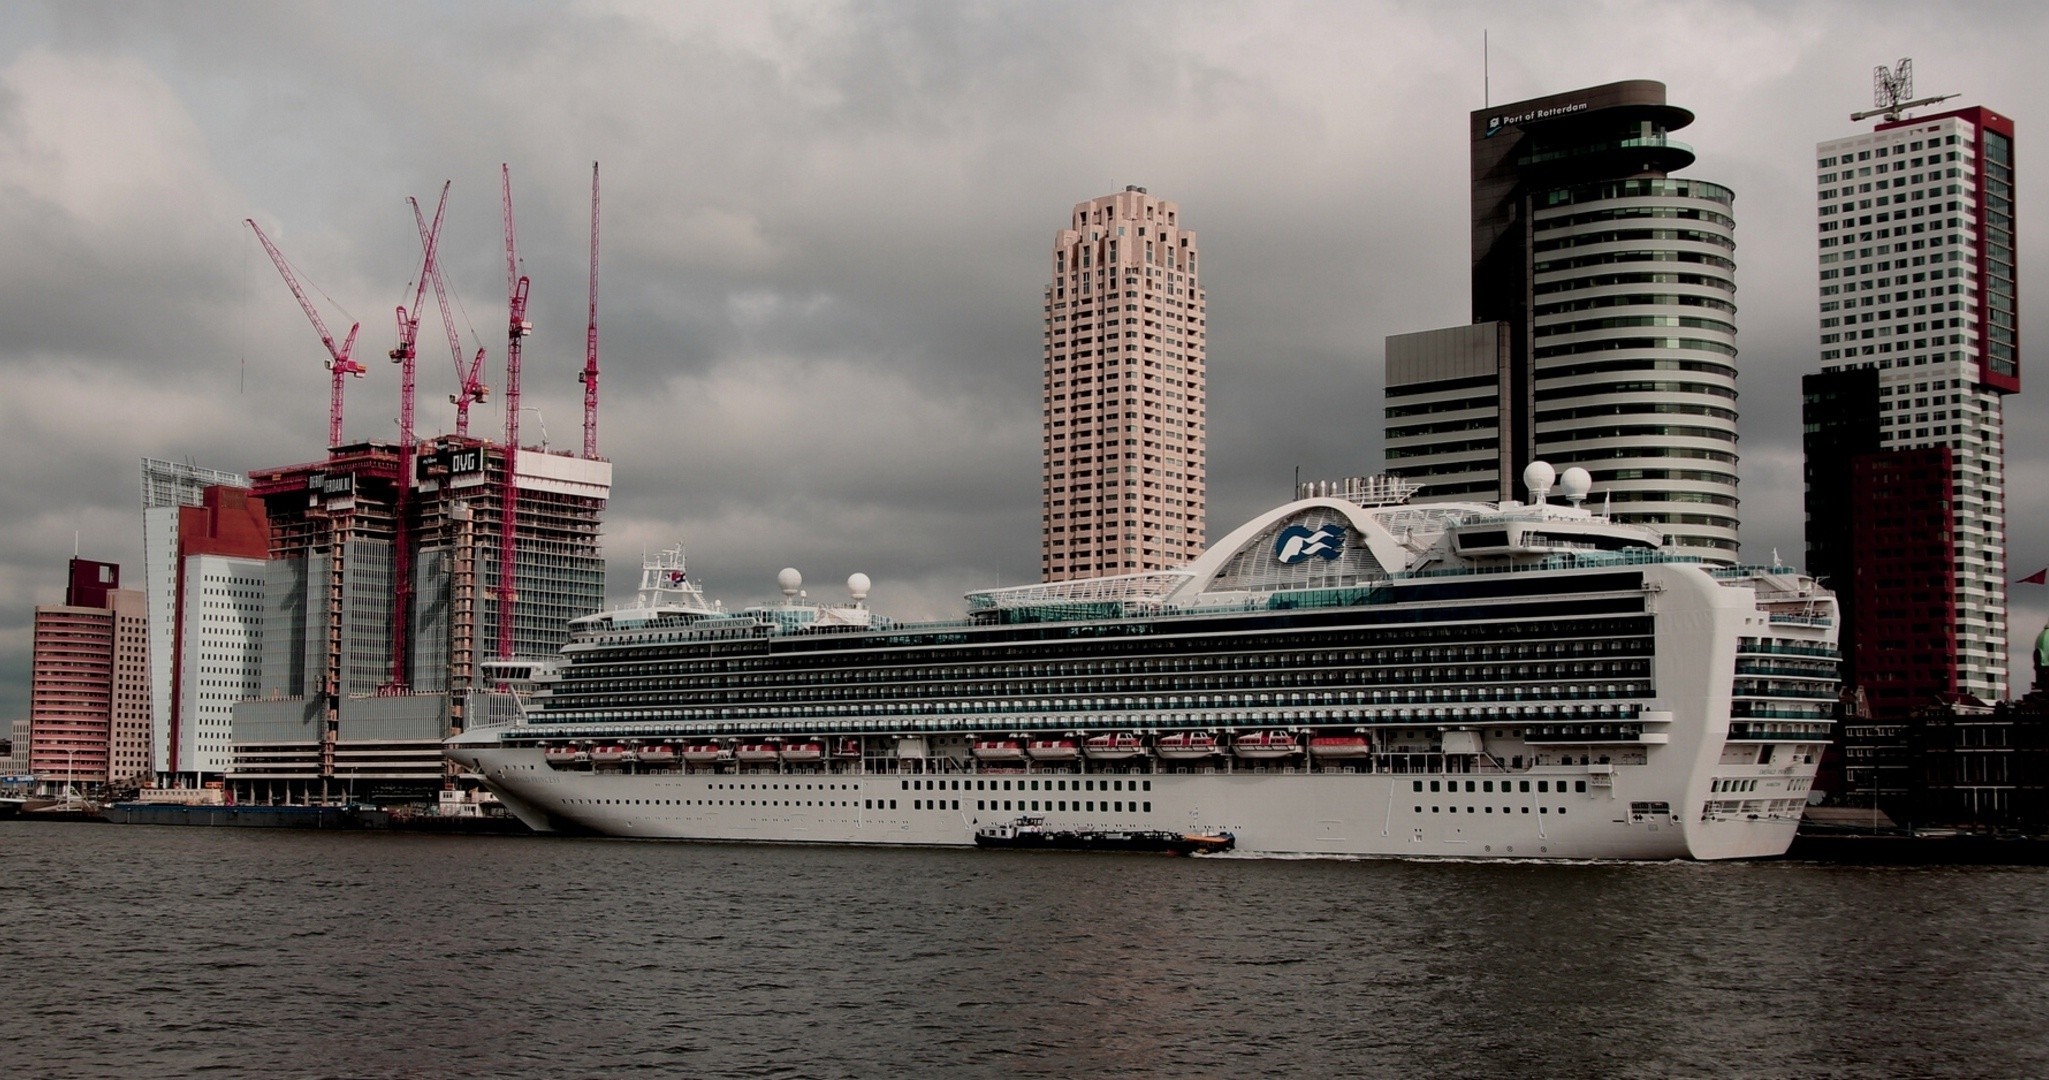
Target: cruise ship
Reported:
[(1348, 674)]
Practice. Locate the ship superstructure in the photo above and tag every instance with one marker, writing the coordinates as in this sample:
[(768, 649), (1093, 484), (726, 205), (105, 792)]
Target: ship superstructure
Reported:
[(1346, 674)]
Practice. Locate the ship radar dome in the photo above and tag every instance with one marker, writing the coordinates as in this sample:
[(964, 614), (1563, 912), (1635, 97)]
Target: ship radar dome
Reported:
[(858, 585), (1538, 477), (789, 581), (1574, 483)]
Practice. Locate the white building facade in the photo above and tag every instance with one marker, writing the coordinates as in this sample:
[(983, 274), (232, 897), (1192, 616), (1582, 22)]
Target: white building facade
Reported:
[(1916, 257)]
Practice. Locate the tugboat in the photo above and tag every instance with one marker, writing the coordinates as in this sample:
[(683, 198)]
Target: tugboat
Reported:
[(1029, 831)]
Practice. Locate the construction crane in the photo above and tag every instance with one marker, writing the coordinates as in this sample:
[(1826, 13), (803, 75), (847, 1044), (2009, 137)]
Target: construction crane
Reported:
[(340, 362), (1890, 91), (516, 331), (589, 375), (406, 355), (468, 376)]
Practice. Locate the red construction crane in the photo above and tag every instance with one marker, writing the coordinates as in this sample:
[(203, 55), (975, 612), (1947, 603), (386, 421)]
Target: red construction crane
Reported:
[(406, 355), (339, 362), (468, 376), (516, 331), (589, 376)]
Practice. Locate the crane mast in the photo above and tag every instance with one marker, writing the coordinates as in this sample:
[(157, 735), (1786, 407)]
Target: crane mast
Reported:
[(517, 330), (340, 362), (468, 376), (406, 355), (589, 377)]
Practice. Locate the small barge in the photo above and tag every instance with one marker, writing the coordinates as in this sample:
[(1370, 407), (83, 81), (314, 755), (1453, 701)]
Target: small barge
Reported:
[(1029, 832)]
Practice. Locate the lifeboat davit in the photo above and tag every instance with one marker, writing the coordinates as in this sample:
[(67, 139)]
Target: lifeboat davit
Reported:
[(1265, 745), (703, 753), (998, 750), (848, 748), (608, 755), (802, 752), (1185, 746), (1052, 750), (1119, 747), (563, 757), (755, 753), (662, 754), (1340, 746)]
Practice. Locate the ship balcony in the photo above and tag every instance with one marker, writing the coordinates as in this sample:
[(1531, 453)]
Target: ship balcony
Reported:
[(1593, 734), (1741, 731)]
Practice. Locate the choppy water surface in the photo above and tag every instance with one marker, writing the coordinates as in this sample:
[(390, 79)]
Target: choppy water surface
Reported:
[(153, 951)]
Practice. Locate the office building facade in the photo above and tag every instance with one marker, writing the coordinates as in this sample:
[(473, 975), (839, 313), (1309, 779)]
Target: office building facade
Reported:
[(1603, 327), (1124, 466), (167, 486), (89, 684)]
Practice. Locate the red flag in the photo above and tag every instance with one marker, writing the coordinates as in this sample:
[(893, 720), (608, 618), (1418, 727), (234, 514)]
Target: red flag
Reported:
[(2039, 577)]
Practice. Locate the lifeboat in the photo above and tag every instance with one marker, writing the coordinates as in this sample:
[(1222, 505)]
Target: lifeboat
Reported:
[(703, 753), (1052, 750), (1340, 746), (1185, 746), (1119, 747), (662, 754), (802, 753), (998, 750), (562, 757), (609, 755), (1265, 745), (755, 753)]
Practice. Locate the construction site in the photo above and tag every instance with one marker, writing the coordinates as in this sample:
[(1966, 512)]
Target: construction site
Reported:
[(397, 572)]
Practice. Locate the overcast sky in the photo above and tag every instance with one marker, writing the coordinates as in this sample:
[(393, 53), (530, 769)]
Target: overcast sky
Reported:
[(826, 229)]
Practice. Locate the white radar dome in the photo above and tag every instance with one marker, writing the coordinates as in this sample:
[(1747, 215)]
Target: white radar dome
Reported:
[(1538, 477), (1575, 482), (858, 585), (789, 581)]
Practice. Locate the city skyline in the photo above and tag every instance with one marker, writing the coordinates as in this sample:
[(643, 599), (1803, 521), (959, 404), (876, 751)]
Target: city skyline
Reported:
[(808, 361)]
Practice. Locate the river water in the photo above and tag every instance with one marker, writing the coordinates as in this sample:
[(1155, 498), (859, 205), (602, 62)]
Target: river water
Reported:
[(160, 951)]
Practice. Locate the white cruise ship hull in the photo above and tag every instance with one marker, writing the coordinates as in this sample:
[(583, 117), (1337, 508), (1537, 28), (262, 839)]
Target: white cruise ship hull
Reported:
[(1273, 811)]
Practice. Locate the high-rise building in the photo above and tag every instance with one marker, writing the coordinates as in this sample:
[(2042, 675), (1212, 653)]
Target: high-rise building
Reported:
[(1603, 330), (167, 486), (89, 683), (217, 632), (1124, 476), (354, 690), (1905, 445)]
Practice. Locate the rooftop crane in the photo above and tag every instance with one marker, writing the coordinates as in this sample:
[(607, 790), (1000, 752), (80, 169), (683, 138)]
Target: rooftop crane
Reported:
[(406, 355), (340, 362), (589, 375), (468, 377), (516, 331)]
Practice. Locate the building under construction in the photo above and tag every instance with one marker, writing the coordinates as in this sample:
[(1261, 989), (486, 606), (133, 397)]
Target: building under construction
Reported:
[(365, 668)]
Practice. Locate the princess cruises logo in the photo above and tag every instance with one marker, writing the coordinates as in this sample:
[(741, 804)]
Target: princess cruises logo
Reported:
[(1297, 543)]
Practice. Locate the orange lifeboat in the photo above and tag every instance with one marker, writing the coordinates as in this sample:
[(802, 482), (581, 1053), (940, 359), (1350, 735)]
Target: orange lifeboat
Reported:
[(703, 753), (1339, 746), (998, 750), (1185, 746), (1117, 747), (802, 753), (1265, 745), (755, 753), (1052, 750)]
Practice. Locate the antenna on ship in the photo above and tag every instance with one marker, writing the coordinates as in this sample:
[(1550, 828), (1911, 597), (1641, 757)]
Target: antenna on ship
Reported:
[(1890, 90)]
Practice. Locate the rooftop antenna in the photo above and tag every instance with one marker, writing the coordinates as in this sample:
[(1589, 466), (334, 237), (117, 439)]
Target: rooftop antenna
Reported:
[(1486, 74), (1891, 89)]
